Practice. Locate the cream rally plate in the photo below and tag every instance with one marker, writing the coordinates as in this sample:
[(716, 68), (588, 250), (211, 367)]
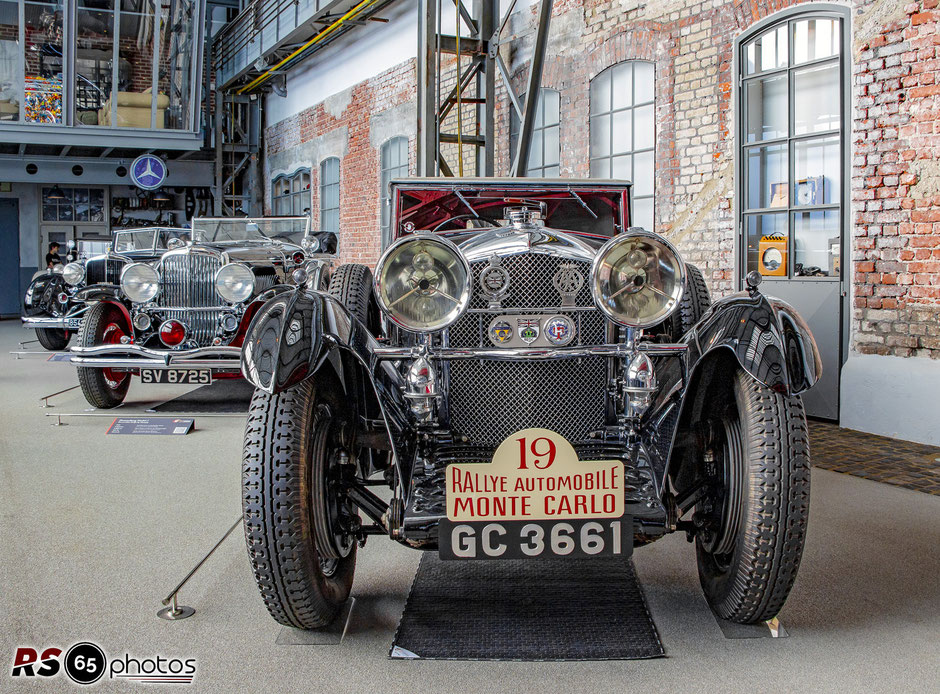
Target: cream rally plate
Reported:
[(535, 499)]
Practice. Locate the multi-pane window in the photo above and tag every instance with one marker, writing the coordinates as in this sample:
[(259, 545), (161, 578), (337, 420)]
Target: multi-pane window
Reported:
[(792, 147), (291, 194), (329, 195), (544, 149), (73, 204), (394, 164), (623, 132)]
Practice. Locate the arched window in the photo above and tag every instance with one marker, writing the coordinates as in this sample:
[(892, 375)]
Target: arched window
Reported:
[(291, 193), (545, 148), (623, 131), (792, 147), (393, 163), (329, 195)]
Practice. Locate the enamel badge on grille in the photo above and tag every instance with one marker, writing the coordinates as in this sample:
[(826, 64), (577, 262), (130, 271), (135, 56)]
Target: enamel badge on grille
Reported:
[(494, 281), (528, 329), (568, 280), (559, 330), (500, 333)]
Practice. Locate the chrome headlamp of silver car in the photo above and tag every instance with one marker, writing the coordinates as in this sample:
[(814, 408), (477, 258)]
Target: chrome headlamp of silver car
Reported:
[(235, 282), (637, 279), (140, 282), (422, 283), (73, 273)]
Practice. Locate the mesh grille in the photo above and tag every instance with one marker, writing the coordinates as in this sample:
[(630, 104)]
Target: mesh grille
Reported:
[(188, 280), (489, 400), (530, 283)]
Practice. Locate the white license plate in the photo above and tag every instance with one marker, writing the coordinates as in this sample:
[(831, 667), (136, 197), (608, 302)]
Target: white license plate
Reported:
[(198, 376), (536, 539)]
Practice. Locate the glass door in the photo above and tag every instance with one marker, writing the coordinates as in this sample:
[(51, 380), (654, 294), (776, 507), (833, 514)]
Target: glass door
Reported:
[(793, 170)]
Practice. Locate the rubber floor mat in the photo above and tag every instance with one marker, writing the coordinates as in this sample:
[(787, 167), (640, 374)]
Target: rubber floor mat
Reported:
[(549, 609), (225, 396)]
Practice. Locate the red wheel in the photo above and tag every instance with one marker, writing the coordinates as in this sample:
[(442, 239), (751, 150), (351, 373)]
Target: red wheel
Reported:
[(104, 325)]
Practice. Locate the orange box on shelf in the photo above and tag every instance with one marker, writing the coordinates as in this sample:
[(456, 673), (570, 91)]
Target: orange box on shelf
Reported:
[(772, 256)]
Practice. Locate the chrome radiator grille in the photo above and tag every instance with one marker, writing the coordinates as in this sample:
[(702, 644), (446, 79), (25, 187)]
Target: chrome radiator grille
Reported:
[(489, 400), (187, 284), (103, 271)]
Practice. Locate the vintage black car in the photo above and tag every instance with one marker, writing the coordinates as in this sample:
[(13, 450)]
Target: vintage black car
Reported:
[(529, 375), (181, 316), (53, 307)]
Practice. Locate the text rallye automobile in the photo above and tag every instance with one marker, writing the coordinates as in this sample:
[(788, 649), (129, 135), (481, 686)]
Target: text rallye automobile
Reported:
[(534, 392)]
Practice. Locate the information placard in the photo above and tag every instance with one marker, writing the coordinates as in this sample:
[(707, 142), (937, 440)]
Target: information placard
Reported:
[(159, 426)]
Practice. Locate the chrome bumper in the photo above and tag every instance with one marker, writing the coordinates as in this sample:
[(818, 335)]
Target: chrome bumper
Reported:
[(523, 354), (136, 357), (33, 322)]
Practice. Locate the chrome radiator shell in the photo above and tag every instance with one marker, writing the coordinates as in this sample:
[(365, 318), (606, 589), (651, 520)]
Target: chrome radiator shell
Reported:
[(187, 291)]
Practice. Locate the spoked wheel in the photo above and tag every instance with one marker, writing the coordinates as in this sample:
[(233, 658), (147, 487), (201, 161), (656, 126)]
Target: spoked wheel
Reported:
[(299, 525), (752, 521), (103, 325)]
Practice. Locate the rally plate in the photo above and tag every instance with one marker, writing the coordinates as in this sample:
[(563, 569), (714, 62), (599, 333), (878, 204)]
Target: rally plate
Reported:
[(535, 498)]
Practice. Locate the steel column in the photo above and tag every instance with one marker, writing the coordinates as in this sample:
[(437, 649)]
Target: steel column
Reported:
[(520, 161)]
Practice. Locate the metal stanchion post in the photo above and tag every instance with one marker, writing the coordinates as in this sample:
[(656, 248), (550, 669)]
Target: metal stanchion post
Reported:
[(174, 611), (45, 398)]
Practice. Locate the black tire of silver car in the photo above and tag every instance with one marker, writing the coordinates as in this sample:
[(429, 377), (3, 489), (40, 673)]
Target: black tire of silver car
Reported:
[(695, 301), (53, 339), (103, 388), (297, 521), (752, 524), (351, 284)]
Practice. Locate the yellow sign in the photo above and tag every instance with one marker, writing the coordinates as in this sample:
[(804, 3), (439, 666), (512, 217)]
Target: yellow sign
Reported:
[(535, 474)]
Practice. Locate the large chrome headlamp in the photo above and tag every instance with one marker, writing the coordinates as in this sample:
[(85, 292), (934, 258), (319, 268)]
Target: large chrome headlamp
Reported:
[(140, 282), (422, 282), (637, 279), (235, 282), (73, 273)]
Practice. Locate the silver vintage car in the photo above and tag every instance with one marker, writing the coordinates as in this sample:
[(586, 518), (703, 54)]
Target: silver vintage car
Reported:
[(529, 376), (181, 316)]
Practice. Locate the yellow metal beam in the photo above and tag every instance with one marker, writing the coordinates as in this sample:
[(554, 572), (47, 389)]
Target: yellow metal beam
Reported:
[(267, 74)]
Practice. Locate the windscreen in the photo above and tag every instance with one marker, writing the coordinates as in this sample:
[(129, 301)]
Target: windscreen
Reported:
[(134, 240), (241, 229)]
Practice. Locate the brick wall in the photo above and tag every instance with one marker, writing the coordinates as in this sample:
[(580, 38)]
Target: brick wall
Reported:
[(344, 122), (896, 184), (895, 175)]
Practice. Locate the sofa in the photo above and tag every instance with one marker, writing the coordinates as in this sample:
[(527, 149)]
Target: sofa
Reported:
[(133, 110)]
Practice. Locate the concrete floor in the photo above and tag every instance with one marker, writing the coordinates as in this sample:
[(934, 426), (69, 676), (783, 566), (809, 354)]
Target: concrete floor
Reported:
[(97, 529)]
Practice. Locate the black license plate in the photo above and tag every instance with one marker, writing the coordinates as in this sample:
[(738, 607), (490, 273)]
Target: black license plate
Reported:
[(73, 323), (535, 539), (197, 376)]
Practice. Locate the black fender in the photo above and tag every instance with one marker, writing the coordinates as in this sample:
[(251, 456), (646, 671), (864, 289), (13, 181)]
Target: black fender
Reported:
[(762, 335), (298, 333), (767, 337), (100, 292), (40, 298)]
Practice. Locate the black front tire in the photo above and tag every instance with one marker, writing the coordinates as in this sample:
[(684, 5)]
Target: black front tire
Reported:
[(53, 339), (285, 488), (749, 551), (351, 285), (102, 388)]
